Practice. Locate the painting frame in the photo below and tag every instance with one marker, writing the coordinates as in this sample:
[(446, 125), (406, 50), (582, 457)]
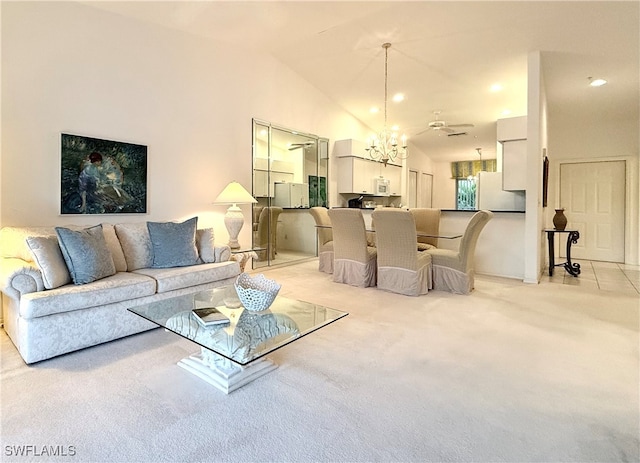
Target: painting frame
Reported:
[(102, 177)]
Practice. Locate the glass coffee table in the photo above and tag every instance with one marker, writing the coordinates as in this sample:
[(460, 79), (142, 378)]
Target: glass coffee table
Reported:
[(234, 354)]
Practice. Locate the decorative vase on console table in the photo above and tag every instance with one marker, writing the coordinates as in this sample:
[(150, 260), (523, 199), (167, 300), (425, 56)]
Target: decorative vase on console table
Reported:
[(559, 220)]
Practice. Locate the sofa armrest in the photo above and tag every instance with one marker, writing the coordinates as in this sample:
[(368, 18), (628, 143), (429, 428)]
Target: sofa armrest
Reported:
[(18, 277), (222, 253)]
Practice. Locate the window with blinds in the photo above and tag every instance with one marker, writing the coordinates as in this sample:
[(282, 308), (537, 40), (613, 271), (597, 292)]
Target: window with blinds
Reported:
[(465, 174)]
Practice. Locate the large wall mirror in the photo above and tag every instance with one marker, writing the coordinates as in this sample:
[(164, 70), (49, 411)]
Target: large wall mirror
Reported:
[(290, 175)]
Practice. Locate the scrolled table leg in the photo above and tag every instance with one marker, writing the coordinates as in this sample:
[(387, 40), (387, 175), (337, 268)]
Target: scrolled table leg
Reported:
[(572, 268)]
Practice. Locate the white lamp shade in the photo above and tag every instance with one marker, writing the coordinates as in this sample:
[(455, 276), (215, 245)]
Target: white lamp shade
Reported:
[(234, 193)]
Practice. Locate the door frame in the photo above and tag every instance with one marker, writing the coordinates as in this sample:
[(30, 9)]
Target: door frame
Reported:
[(631, 201), (421, 193), (412, 196)]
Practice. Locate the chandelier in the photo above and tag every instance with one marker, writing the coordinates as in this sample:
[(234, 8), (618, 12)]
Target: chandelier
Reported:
[(384, 146)]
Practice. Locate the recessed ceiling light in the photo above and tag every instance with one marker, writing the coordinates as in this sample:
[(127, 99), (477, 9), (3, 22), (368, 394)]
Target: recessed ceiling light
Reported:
[(495, 88), (596, 82), (506, 112), (398, 97), (374, 110)]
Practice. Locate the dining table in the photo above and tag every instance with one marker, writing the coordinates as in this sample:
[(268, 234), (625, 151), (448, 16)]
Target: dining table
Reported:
[(446, 236)]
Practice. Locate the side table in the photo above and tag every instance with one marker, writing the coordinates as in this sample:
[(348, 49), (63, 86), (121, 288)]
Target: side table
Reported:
[(572, 238)]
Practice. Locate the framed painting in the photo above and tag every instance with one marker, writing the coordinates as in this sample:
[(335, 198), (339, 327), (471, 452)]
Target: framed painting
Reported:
[(102, 176)]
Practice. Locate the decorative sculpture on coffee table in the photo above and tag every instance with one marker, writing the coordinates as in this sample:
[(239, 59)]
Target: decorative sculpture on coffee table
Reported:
[(256, 293)]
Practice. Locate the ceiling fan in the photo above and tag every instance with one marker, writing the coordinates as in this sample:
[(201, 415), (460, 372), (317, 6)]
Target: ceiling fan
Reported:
[(295, 146), (438, 125)]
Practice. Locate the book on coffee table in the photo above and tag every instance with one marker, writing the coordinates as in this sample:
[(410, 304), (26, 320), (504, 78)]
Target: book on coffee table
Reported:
[(210, 316)]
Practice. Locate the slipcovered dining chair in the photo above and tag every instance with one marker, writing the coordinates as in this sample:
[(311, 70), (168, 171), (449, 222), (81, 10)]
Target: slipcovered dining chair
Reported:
[(454, 271), (325, 238), (266, 234), (428, 223), (354, 262), (401, 267), (256, 210)]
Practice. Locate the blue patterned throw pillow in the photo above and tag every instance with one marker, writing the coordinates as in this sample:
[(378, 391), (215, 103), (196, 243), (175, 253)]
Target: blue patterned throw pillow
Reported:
[(86, 254), (173, 244)]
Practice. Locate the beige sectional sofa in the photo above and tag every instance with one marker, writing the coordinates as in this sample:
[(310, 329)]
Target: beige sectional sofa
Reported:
[(69, 288)]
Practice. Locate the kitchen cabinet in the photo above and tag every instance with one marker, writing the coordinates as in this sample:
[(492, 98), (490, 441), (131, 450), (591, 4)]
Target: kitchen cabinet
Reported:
[(514, 165), (512, 128), (394, 175), (357, 175), (356, 148), (512, 135)]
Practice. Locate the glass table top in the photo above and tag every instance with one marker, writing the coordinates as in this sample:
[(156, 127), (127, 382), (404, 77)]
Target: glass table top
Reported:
[(249, 335)]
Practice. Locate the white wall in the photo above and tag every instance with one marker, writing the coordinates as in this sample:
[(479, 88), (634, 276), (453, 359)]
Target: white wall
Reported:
[(444, 187), (536, 143), (500, 244), (71, 68), (572, 139)]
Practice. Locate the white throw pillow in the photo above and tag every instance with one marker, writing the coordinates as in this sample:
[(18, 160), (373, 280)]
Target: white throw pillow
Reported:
[(136, 245), (114, 246), (206, 245), (48, 256)]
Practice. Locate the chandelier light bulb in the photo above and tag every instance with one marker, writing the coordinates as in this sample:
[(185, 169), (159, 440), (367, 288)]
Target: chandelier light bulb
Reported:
[(596, 82)]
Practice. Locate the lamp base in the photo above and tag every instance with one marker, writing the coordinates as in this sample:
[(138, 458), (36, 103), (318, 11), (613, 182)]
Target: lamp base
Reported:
[(234, 220)]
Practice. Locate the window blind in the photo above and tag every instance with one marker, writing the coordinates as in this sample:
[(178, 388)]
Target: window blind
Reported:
[(464, 169)]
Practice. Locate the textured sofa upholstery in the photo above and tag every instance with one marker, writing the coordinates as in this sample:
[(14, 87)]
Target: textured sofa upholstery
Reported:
[(45, 318)]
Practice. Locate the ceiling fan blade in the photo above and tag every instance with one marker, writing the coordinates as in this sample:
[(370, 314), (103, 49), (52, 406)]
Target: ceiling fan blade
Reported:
[(460, 125), (447, 129), (422, 131)]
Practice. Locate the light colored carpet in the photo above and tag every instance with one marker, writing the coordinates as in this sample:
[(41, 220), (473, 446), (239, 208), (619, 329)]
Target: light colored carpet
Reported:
[(513, 372)]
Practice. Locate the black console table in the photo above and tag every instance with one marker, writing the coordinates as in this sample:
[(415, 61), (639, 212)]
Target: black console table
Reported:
[(572, 238)]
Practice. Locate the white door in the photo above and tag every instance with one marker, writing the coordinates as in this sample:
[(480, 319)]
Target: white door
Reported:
[(593, 196), (413, 188), (426, 191)]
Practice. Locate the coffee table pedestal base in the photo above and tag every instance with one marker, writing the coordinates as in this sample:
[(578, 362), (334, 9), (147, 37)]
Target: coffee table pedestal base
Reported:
[(222, 373)]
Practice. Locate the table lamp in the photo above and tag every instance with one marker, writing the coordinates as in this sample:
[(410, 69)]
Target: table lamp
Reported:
[(234, 194)]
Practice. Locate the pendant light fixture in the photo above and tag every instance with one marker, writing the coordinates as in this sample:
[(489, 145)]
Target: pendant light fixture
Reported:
[(384, 146)]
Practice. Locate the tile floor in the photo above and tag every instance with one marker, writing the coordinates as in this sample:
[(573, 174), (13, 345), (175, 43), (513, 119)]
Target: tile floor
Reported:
[(607, 276)]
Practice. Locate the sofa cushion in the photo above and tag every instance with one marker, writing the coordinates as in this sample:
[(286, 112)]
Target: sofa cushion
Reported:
[(173, 244), (48, 256), (86, 253), (120, 287), (169, 279), (206, 245), (136, 244), (113, 244)]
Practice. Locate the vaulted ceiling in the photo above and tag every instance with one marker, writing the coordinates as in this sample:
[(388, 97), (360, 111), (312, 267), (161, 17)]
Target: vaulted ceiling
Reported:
[(445, 56)]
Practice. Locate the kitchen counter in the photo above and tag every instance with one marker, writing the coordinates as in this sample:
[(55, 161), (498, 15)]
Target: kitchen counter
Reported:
[(476, 210), (500, 248)]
